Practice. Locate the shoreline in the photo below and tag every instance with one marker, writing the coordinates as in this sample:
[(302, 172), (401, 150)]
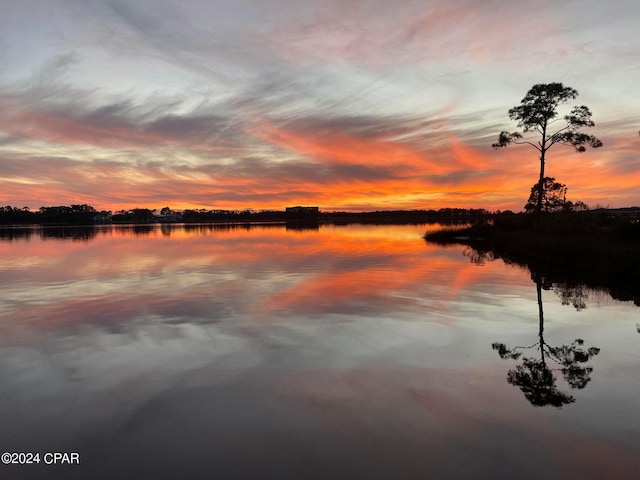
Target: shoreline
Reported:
[(607, 260)]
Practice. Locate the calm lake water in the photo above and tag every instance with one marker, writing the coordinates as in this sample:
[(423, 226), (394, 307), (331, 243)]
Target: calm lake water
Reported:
[(342, 352)]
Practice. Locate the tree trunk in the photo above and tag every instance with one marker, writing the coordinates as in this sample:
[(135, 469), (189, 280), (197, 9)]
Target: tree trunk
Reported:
[(540, 191), (538, 280)]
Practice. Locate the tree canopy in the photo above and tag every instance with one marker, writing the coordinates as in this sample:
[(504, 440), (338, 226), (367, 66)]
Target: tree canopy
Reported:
[(538, 111)]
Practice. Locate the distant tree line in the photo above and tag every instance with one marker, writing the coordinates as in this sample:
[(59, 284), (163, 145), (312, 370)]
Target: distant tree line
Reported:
[(88, 215), (442, 215), (60, 215), (554, 200)]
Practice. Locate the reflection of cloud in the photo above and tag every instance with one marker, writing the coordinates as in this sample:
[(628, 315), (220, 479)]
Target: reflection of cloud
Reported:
[(213, 276), (170, 399), (133, 337)]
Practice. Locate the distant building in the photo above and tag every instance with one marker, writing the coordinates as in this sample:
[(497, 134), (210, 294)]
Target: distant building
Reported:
[(102, 218), (169, 218), (302, 212)]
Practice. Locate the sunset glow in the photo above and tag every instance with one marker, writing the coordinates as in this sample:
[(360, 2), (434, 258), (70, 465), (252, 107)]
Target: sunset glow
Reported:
[(348, 105), (359, 268)]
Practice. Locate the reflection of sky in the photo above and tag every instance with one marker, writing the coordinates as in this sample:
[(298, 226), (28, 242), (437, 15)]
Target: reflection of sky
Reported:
[(263, 273), (233, 351)]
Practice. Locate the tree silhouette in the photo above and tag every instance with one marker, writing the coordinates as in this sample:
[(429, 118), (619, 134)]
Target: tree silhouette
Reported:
[(554, 196), (535, 378), (537, 114)]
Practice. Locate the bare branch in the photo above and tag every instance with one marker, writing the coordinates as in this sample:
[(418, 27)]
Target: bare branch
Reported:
[(539, 148)]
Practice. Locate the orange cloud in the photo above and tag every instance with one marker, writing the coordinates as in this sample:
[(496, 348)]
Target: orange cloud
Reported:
[(336, 148), (116, 159)]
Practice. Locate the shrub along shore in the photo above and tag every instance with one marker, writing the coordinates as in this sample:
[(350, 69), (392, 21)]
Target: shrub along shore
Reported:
[(596, 248), (595, 245)]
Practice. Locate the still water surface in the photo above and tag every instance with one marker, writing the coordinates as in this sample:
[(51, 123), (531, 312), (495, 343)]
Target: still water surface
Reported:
[(343, 352)]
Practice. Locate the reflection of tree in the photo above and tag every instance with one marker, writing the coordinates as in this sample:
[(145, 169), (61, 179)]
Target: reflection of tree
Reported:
[(535, 377), (79, 233), (478, 257), (575, 295)]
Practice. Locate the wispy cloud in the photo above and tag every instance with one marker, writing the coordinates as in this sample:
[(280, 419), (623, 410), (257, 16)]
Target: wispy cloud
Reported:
[(356, 104)]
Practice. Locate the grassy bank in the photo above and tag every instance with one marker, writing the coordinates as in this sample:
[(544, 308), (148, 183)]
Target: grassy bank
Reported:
[(587, 242)]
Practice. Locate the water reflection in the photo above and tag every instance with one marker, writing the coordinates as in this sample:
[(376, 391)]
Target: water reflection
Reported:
[(45, 233), (575, 295), (238, 352), (535, 377), (91, 232)]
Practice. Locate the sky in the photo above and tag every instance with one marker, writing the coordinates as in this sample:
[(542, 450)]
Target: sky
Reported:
[(349, 105)]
